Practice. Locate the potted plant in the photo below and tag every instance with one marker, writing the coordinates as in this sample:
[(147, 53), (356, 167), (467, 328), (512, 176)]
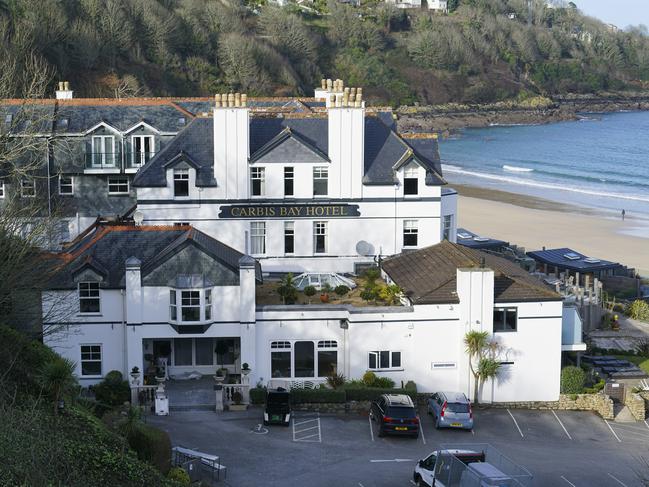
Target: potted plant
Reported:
[(324, 292), (135, 375), (219, 375), (309, 292), (245, 368), (236, 405)]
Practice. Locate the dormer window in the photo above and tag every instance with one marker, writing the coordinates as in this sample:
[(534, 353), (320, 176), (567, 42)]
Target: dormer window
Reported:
[(143, 149), (411, 180), (103, 151), (89, 300), (181, 183)]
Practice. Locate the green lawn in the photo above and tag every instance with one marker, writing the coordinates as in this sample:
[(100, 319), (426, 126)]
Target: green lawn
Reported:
[(642, 362)]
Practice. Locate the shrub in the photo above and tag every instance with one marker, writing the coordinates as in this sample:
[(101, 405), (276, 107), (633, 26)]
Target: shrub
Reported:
[(336, 380), (152, 445), (390, 294), (373, 393), (309, 291), (287, 289), (642, 347), (638, 310), (384, 383), (369, 294), (572, 380), (113, 390), (299, 396), (596, 387), (369, 378), (342, 290), (410, 386), (177, 474), (258, 395)]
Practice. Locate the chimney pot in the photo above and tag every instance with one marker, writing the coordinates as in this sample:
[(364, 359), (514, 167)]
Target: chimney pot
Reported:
[(66, 85), (329, 84), (217, 100), (323, 84), (244, 100), (60, 85)]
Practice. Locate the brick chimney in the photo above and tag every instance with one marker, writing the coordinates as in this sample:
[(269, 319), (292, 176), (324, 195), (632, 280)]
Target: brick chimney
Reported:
[(64, 92), (231, 145), (346, 115)]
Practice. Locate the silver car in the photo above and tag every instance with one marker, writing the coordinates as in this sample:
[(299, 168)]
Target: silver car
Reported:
[(451, 410)]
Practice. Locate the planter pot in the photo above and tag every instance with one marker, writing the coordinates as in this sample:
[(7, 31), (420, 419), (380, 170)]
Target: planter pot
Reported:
[(135, 378), (219, 378), (238, 407), (324, 298), (246, 371)]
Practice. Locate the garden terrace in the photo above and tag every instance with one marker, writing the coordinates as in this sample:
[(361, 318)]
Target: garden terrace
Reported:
[(268, 294)]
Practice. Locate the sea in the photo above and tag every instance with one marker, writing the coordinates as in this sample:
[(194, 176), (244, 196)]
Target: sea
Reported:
[(600, 161)]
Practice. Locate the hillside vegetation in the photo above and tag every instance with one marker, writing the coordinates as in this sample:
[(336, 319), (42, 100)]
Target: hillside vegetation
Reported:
[(483, 51)]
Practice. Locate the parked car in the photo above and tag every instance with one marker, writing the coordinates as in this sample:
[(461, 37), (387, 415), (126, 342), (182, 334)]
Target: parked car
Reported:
[(395, 414), (451, 410), (278, 407)]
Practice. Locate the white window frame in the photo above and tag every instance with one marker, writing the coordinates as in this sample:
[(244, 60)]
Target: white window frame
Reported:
[(138, 159), (291, 178), (320, 229), (506, 309), (447, 226), (119, 193), (410, 227), (2, 188), (324, 345), (88, 289), (71, 185), (258, 231), (92, 359), (99, 157), (182, 306), (289, 231), (377, 360), (173, 306), (320, 173), (258, 174), (207, 306), (23, 186), (411, 171), (180, 175)]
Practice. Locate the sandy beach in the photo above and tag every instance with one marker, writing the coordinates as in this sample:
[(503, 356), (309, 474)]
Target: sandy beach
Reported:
[(533, 223)]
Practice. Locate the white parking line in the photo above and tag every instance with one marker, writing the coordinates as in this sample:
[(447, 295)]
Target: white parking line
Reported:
[(307, 429), (369, 419), (516, 423), (397, 460), (304, 422), (421, 430), (564, 428), (614, 433), (570, 483), (646, 424), (307, 438), (617, 480)]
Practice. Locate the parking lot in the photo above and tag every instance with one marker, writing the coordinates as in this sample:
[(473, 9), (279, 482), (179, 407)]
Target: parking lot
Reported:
[(562, 448)]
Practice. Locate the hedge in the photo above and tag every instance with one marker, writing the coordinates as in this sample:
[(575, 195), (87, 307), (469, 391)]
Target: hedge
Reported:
[(373, 393), (299, 396), (152, 446), (572, 380), (258, 395)]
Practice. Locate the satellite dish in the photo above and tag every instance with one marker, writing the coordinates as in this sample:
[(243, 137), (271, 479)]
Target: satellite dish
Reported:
[(138, 217), (364, 248)]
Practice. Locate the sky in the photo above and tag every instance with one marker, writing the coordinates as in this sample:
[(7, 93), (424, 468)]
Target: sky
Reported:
[(619, 12)]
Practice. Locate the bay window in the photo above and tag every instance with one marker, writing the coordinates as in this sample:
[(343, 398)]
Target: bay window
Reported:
[(195, 305), (190, 305)]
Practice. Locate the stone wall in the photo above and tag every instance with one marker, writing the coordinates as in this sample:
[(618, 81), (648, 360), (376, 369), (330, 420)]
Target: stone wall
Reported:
[(600, 403), (636, 405)]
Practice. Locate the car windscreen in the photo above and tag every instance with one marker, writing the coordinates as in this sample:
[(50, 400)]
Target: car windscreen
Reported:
[(457, 407), (277, 399), (404, 412)]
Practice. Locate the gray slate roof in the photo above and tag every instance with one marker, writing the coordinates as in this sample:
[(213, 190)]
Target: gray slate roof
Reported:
[(194, 144), (79, 118), (383, 149), (429, 275), (557, 257), (106, 248)]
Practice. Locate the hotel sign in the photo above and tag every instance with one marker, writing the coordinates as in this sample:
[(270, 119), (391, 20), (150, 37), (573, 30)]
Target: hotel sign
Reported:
[(289, 211)]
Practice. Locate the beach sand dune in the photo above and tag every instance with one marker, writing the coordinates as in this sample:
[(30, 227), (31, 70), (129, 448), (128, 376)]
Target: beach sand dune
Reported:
[(534, 223)]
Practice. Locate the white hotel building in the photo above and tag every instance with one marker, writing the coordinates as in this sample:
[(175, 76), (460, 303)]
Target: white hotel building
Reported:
[(239, 195)]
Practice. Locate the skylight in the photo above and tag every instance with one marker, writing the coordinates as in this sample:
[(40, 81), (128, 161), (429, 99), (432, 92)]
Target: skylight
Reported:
[(464, 235), (572, 256), (480, 239), (592, 260), (8, 118), (181, 121)]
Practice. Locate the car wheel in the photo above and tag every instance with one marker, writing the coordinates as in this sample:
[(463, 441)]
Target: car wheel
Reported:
[(421, 483), (416, 478)]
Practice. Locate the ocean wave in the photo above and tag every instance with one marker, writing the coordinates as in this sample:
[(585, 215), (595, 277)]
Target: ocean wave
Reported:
[(524, 182), (517, 169)]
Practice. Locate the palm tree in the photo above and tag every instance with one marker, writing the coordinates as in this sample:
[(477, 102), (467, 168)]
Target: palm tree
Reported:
[(482, 363), (57, 378)]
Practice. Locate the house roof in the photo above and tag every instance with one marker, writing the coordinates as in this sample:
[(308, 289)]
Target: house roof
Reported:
[(383, 148), (108, 247), (429, 275), (566, 258)]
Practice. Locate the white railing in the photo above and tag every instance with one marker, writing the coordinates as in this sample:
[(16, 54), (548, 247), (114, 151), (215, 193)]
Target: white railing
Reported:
[(230, 389), (296, 383), (143, 395)]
